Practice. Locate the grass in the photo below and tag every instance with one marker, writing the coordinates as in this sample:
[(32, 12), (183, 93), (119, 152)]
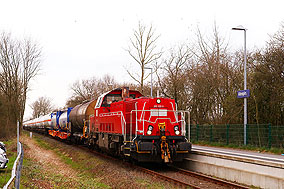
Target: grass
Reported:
[(5, 174), (41, 143), (85, 179), (93, 172), (89, 170), (34, 175), (148, 184)]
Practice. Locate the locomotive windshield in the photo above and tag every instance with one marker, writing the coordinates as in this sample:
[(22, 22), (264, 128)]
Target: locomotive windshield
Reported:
[(106, 100), (115, 96), (110, 98)]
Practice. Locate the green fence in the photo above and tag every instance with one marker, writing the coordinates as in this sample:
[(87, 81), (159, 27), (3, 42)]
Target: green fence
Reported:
[(264, 135)]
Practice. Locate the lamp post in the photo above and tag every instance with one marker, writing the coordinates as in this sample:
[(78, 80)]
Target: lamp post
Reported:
[(151, 80), (245, 81)]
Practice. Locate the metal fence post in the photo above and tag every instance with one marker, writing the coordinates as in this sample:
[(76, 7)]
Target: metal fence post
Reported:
[(211, 133), (189, 127), (246, 134), (227, 134), (19, 169), (18, 137), (197, 132), (269, 135)]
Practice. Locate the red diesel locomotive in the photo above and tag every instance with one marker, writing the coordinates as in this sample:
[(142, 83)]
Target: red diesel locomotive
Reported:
[(125, 123)]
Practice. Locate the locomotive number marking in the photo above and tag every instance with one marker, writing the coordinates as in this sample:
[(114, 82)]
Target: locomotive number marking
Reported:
[(158, 106), (110, 114)]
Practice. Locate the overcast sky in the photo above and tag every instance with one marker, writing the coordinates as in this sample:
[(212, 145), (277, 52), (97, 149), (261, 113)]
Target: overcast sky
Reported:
[(86, 38)]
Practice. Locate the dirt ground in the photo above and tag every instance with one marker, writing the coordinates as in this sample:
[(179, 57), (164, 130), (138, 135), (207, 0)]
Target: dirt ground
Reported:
[(49, 162), (60, 165)]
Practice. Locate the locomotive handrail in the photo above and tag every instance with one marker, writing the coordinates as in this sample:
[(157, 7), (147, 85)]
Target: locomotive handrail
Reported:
[(123, 125), (177, 111), (143, 116), (122, 120), (174, 110), (182, 120), (142, 119), (136, 121)]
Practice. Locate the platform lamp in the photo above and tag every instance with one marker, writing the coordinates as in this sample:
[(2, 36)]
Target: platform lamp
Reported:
[(245, 81)]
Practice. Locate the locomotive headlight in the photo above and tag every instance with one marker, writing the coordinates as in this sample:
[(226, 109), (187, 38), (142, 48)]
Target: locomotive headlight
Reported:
[(158, 101), (176, 128), (177, 132), (150, 129)]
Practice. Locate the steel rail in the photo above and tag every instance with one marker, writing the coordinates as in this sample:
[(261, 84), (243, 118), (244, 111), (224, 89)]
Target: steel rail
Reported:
[(169, 179), (147, 171), (209, 179), (164, 177)]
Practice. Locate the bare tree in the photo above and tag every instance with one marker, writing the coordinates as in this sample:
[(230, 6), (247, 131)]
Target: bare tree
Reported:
[(29, 68), (212, 79), (84, 88), (19, 63), (268, 81), (41, 106), (143, 50), (87, 89), (173, 82)]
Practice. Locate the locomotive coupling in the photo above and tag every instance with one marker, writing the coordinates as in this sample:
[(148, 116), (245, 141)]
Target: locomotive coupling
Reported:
[(165, 152)]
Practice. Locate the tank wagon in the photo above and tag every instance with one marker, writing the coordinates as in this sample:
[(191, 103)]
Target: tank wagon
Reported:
[(124, 123)]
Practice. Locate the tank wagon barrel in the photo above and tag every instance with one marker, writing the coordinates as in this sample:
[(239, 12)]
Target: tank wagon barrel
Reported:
[(80, 114)]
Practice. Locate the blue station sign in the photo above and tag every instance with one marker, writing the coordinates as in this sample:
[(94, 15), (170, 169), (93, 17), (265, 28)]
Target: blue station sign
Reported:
[(243, 93)]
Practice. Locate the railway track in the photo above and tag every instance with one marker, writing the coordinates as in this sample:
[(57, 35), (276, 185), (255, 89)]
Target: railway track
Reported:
[(145, 170), (169, 179), (217, 181), (177, 176), (200, 181), (187, 178)]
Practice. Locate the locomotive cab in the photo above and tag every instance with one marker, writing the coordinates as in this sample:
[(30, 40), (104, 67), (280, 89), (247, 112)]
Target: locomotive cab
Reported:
[(159, 131), (107, 126), (142, 128)]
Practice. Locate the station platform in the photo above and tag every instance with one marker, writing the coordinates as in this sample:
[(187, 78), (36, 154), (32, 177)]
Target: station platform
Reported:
[(258, 169), (241, 152)]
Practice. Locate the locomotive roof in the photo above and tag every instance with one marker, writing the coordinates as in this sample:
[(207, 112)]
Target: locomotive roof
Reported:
[(119, 91), (114, 91)]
